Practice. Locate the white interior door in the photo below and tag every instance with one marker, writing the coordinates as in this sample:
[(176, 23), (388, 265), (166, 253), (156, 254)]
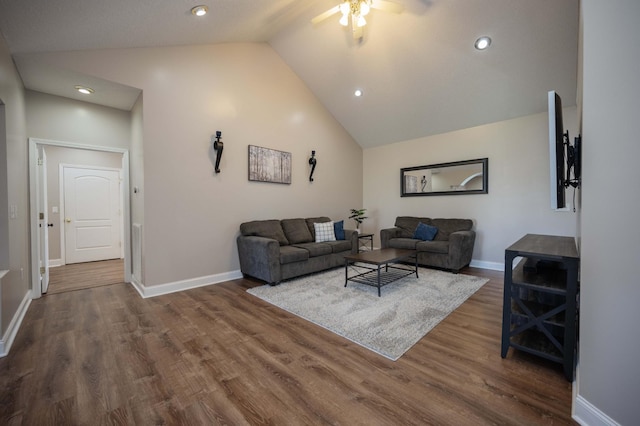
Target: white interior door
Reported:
[(92, 214), (43, 221)]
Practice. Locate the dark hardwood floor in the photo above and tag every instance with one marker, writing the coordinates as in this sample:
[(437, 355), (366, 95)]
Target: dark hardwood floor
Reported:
[(217, 355)]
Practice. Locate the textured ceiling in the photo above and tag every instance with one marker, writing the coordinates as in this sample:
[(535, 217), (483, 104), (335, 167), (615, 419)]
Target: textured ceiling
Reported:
[(419, 71)]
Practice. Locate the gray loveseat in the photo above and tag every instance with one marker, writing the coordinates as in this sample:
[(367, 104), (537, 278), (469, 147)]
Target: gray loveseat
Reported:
[(276, 250), (451, 248)]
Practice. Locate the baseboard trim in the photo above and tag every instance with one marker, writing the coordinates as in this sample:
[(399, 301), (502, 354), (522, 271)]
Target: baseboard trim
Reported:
[(167, 288), (14, 325), (137, 285), (55, 263), (482, 264), (172, 287), (586, 413)]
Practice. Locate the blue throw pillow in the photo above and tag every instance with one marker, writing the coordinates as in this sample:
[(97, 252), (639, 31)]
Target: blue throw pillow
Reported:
[(338, 229), (425, 232)]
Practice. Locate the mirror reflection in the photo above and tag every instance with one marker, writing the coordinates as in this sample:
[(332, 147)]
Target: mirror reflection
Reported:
[(460, 177)]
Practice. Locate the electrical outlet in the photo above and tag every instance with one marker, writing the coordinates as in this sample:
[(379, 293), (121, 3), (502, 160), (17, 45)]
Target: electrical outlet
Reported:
[(13, 211)]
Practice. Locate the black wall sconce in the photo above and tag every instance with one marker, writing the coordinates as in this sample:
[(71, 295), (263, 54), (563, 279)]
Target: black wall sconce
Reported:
[(312, 162), (218, 146)]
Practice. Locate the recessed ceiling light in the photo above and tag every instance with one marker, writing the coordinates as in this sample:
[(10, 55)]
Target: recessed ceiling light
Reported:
[(358, 92), (84, 90), (200, 10), (483, 42)]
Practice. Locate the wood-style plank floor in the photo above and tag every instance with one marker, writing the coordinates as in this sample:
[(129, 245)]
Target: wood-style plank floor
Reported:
[(79, 276), (217, 355)]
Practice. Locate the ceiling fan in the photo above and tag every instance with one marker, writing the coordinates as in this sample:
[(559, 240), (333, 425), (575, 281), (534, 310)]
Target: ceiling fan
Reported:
[(356, 10)]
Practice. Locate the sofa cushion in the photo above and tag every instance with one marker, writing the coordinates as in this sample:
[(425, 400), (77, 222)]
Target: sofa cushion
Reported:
[(433, 246), (447, 226), (290, 254), (408, 224), (310, 221), (425, 232), (296, 231), (339, 246), (315, 249), (264, 228), (338, 228), (324, 232), (403, 243)]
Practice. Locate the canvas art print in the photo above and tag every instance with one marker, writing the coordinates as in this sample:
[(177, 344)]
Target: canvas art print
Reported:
[(269, 165)]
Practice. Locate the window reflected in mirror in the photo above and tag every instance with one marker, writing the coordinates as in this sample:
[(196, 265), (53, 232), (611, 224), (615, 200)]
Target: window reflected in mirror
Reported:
[(460, 177)]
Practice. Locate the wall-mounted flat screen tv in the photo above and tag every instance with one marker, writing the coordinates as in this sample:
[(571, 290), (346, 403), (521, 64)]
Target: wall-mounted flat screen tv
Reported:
[(556, 152), (564, 159)]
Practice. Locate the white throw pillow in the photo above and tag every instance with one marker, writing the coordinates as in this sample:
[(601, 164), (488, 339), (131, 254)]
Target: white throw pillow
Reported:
[(324, 232)]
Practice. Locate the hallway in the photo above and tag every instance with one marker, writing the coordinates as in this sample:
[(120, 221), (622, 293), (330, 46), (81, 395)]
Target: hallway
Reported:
[(79, 276)]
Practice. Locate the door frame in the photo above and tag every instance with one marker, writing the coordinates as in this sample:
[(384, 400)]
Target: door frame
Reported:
[(43, 223), (34, 143)]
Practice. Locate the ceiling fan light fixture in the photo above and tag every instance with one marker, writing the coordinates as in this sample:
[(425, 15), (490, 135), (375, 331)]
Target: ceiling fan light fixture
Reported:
[(483, 43), (200, 10), (84, 89), (355, 11)]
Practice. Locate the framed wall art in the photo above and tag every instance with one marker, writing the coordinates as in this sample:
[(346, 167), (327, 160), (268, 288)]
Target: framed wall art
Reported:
[(269, 165)]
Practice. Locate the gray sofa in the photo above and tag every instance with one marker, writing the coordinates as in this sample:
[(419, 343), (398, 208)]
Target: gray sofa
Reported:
[(276, 250), (451, 248)]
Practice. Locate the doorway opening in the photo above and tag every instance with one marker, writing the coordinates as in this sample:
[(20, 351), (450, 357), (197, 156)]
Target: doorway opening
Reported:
[(87, 239), (81, 276)]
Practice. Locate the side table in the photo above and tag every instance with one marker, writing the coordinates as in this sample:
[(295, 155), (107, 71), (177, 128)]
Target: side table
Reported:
[(365, 242)]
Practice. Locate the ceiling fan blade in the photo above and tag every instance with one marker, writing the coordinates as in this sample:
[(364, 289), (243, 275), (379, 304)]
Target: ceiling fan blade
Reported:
[(325, 15), (387, 6)]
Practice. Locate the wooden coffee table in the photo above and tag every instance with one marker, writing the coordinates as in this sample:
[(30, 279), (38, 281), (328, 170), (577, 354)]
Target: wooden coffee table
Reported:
[(384, 266)]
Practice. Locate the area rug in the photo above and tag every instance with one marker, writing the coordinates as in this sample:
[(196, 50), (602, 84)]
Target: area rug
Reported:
[(389, 325)]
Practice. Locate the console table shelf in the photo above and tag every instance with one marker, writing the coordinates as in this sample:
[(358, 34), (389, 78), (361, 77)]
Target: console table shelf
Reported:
[(540, 307), (550, 280)]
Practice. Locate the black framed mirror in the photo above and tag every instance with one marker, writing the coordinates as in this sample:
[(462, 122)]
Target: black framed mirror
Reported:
[(456, 178)]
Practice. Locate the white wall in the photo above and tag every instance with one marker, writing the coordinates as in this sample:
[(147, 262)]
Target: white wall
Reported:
[(68, 120), (15, 283), (518, 201), (191, 214), (608, 372)]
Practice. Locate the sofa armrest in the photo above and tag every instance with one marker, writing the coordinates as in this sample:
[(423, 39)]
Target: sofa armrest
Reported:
[(461, 246), (352, 235), (387, 234), (260, 258)]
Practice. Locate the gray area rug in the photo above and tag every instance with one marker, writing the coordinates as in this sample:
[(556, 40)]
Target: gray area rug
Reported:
[(388, 325)]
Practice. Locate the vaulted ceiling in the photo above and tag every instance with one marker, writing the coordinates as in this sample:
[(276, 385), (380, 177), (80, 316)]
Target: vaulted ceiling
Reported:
[(419, 71)]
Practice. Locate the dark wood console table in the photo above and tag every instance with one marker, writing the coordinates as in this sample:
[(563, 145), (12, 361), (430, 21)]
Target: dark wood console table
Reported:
[(540, 308)]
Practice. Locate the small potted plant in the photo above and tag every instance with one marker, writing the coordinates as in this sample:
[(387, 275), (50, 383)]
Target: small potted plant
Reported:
[(359, 216)]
